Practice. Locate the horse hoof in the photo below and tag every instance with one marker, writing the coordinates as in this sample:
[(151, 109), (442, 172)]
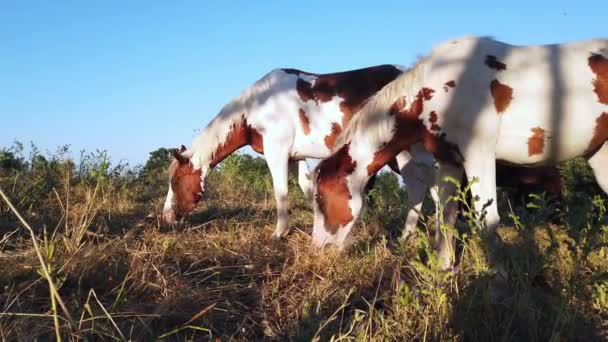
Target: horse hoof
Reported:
[(276, 236), (408, 236)]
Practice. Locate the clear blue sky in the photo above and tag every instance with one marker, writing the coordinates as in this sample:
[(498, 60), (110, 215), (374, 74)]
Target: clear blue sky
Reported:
[(129, 76)]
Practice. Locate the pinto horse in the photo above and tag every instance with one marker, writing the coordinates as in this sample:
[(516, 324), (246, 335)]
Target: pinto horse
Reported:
[(290, 115), (286, 115), (472, 102)]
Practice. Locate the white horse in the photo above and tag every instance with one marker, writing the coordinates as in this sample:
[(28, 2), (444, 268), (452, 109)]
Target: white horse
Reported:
[(287, 115), (472, 102)]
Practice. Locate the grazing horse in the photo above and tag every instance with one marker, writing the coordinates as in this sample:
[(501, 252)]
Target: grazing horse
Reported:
[(290, 115), (472, 102), (286, 115)]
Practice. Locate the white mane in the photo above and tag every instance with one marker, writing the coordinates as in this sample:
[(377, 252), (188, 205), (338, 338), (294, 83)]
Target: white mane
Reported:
[(370, 120), (215, 133)]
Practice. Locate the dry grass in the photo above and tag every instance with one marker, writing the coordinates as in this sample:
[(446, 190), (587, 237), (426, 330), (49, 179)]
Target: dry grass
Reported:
[(122, 275)]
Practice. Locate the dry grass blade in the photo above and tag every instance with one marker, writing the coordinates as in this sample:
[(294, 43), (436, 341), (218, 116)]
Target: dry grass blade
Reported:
[(92, 292), (200, 313), (45, 269), (177, 330), (6, 238), (333, 316), (188, 325)]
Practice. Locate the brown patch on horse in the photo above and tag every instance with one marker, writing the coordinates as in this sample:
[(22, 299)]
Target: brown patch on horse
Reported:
[(256, 140), (600, 134), (400, 107), (433, 120), (536, 143), (333, 193), (599, 66), (304, 90), (493, 63), (240, 134), (427, 93), (237, 137), (449, 84), (354, 87), (502, 94), (305, 122), (410, 129), (185, 181), (330, 139), (441, 148)]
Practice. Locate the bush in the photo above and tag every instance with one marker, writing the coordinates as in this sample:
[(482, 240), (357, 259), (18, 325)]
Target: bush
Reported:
[(387, 202), (153, 175), (43, 185), (246, 179), (578, 181)]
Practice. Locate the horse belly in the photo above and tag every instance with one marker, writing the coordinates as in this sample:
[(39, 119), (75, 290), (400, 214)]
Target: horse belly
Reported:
[(553, 112)]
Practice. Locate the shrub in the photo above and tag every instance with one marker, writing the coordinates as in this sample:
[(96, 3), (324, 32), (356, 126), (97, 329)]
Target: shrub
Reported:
[(153, 175)]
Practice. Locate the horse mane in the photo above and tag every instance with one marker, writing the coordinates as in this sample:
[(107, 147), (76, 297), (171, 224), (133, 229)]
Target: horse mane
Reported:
[(369, 121), (369, 118), (172, 168)]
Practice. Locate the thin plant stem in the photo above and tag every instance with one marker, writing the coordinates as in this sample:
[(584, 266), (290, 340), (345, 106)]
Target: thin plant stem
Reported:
[(55, 298)]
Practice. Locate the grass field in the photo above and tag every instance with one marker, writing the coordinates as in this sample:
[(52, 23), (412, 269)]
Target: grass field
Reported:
[(103, 267)]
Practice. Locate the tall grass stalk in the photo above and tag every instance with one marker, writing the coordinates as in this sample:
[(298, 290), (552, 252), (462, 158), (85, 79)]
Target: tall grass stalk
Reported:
[(55, 298)]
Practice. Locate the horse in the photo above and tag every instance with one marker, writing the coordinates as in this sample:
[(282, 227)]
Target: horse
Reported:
[(470, 103), (291, 115), (288, 114)]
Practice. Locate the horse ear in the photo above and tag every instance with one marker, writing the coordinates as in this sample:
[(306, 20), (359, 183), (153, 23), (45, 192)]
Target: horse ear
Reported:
[(182, 149), (177, 154)]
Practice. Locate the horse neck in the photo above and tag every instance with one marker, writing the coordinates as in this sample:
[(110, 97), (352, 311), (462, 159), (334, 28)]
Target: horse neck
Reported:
[(230, 130), (374, 148), (344, 164), (220, 139)]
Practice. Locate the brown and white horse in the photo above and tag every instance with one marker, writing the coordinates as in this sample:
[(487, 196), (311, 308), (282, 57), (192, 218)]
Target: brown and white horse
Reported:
[(287, 115), (291, 114), (472, 102)]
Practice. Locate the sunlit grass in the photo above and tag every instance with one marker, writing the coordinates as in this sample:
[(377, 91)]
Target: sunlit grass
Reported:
[(122, 275)]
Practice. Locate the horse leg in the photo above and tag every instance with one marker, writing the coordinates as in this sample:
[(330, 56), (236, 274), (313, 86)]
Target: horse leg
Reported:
[(304, 179), (418, 177), (599, 164), (278, 164), (449, 210), (481, 164)]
